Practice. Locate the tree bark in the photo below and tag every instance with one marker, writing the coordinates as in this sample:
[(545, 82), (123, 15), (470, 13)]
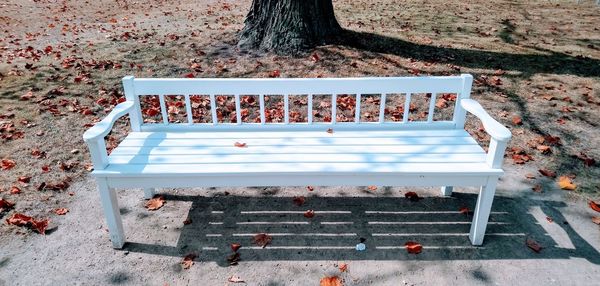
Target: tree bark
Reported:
[(288, 26)]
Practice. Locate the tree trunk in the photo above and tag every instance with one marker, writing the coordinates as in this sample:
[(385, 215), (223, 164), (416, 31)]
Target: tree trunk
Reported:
[(288, 26)]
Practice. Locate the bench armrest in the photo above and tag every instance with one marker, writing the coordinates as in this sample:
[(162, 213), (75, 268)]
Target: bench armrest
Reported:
[(102, 128), (491, 126), (94, 137)]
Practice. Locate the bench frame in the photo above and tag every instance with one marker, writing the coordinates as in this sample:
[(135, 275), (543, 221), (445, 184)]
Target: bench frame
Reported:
[(134, 88)]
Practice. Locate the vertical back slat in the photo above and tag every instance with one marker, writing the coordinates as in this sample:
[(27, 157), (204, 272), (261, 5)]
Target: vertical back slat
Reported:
[(213, 109), (261, 100), (135, 116), (460, 113), (286, 108), (188, 109), (357, 109), (310, 109), (406, 108), (238, 111), (431, 108), (333, 108), (382, 108), (163, 108)]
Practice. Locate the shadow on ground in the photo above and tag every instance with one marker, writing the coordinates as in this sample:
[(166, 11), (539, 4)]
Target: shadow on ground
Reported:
[(384, 223)]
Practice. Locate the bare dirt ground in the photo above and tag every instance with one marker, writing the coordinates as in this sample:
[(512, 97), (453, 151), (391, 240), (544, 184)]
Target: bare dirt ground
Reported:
[(537, 70)]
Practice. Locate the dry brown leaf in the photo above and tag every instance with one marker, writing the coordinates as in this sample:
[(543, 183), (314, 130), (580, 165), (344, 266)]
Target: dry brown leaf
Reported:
[(5, 205), (236, 279), (534, 245), (595, 206), (343, 267), (565, 183), (330, 131), (61, 211), (240, 145), (187, 221), (596, 219), (530, 176), (547, 173), (310, 188), (155, 203), (517, 120), (464, 210), (233, 258), (262, 239), (299, 200), (188, 260), (549, 219), (372, 188), (331, 281), (537, 188), (235, 246), (412, 196), (7, 164), (40, 225), (19, 219), (413, 247), (544, 149)]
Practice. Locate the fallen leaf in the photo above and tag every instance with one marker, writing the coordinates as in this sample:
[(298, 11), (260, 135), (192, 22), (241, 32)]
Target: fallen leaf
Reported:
[(413, 247), (310, 188), (372, 188), (262, 239), (155, 203), (565, 183), (240, 145), (7, 164), (595, 206), (188, 260), (412, 196), (517, 120), (464, 210), (61, 211), (534, 245), (5, 205), (330, 130), (544, 149), (330, 281), (19, 219), (596, 219), (236, 279), (235, 246), (343, 267), (24, 180), (187, 221), (309, 214), (549, 219), (530, 176), (547, 173), (299, 200), (537, 188), (40, 225), (275, 73)]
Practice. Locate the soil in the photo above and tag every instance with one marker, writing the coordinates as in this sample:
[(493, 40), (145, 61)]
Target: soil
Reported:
[(537, 70)]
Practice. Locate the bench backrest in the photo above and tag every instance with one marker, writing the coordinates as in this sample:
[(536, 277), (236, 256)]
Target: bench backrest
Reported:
[(135, 88)]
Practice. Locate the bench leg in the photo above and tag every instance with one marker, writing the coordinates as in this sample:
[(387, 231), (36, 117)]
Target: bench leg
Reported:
[(447, 191), (482, 211), (110, 205), (149, 193)]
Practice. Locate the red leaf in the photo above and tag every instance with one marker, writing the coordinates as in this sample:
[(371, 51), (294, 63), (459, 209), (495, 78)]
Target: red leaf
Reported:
[(5, 205), (155, 203), (372, 188), (412, 196), (262, 239), (275, 73), (19, 219), (595, 206), (464, 210), (517, 120), (40, 225), (310, 188), (187, 221), (413, 247), (299, 200), (549, 219), (235, 246), (7, 164), (330, 281), (343, 267), (190, 75), (315, 57), (24, 180), (240, 145), (534, 245), (15, 190), (61, 211), (547, 173), (188, 260), (309, 214)]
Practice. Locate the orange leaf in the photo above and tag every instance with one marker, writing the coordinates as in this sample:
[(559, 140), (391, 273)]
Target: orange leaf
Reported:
[(241, 145), (330, 281), (413, 247), (595, 206), (61, 211), (309, 214), (544, 149), (15, 190), (262, 239), (534, 245), (299, 200), (188, 260), (412, 196), (7, 164), (517, 120), (235, 279), (565, 183), (372, 188), (235, 246), (547, 173), (275, 73), (343, 267), (155, 203)]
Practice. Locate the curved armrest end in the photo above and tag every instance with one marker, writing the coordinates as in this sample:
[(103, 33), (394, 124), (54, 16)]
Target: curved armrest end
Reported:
[(103, 127), (494, 128)]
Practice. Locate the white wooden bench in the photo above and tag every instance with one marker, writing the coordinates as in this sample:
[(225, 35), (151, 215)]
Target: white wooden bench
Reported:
[(405, 153)]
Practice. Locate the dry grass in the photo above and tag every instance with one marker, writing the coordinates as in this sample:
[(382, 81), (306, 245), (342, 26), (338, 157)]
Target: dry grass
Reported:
[(538, 60)]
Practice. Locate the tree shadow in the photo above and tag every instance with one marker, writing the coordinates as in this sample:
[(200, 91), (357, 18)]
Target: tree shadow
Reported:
[(528, 64), (383, 223)]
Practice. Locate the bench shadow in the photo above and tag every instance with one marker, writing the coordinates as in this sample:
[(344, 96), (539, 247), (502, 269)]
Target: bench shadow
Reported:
[(384, 223)]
